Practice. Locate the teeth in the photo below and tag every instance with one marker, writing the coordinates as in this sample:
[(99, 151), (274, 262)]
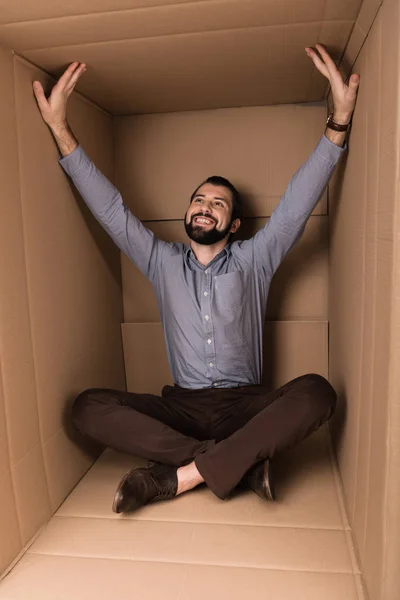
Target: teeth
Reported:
[(201, 220)]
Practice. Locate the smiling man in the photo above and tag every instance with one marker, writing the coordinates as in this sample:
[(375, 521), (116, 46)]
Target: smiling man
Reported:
[(217, 424), (214, 213)]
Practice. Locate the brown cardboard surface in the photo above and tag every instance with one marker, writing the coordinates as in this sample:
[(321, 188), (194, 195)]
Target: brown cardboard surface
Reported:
[(20, 434), (303, 10), (367, 14), (9, 526), (363, 292), (95, 368), (60, 305), (198, 543), (186, 45), (383, 514), (179, 70), (16, 343), (362, 26), (393, 467), (391, 16), (31, 493), (353, 47), (291, 348), (65, 463), (75, 302), (172, 33), (298, 289), (295, 547), (47, 575), (161, 159), (43, 10), (168, 19)]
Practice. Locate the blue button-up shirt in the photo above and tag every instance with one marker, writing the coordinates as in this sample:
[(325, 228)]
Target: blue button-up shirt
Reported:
[(213, 315)]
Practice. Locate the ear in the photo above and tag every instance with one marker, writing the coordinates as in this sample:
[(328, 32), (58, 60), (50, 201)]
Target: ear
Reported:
[(235, 226)]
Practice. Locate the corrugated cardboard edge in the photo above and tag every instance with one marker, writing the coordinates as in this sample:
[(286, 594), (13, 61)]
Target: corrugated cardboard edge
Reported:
[(362, 26), (23, 551), (351, 543), (365, 19), (391, 574)]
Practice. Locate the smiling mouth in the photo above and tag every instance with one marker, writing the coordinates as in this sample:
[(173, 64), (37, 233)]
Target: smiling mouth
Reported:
[(203, 221)]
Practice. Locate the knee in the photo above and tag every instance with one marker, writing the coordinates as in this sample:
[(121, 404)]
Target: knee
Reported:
[(82, 408), (320, 393)]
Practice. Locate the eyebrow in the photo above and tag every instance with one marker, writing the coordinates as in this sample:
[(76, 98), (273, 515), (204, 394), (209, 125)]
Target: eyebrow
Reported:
[(215, 197)]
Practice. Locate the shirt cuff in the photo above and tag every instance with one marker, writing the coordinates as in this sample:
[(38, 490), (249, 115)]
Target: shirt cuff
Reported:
[(329, 151), (74, 161)]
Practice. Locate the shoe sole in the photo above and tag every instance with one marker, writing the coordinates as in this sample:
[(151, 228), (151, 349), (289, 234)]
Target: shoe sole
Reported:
[(269, 490)]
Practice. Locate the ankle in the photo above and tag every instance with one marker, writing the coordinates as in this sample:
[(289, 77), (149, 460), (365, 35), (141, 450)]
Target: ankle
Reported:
[(188, 478)]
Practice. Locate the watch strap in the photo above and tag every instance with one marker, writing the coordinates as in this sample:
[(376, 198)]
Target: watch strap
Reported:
[(336, 126)]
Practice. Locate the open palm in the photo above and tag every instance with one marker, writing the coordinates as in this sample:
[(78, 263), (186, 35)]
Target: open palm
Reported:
[(344, 95)]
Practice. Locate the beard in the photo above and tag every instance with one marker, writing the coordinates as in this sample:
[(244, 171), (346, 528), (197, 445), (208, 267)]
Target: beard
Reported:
[(202, 235)]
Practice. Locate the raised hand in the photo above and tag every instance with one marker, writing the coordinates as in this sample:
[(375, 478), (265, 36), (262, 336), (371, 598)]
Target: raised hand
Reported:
[(344, 95), (54, 108)]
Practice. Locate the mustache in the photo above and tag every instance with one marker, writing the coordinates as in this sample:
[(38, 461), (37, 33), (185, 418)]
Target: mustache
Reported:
[(203, 215)]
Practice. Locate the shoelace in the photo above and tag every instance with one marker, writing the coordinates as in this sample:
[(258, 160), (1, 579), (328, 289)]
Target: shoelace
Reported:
[(163, 495)]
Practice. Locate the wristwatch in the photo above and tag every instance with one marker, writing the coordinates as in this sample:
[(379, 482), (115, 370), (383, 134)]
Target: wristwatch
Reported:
[(336, 126)]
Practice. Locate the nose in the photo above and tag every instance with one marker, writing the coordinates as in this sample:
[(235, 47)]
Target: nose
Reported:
[(206, 207)]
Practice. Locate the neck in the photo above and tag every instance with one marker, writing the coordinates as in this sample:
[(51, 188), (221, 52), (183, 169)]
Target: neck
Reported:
[(205, 254)]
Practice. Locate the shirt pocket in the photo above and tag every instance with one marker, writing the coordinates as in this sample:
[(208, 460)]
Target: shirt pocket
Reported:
[(229, 291)]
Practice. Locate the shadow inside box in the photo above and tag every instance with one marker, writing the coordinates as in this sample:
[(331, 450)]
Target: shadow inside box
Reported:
[(297, 463), (290, 468)]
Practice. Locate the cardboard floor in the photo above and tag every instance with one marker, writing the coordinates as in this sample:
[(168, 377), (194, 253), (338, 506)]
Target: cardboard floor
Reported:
[(197, 545)]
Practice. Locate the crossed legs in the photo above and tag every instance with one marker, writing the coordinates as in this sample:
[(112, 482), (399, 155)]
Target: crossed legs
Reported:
[(214, 435)]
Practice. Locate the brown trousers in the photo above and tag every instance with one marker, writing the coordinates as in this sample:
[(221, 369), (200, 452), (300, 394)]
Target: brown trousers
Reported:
[(225, 431)]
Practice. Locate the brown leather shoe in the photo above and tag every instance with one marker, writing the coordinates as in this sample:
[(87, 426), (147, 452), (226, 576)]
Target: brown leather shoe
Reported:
[(259, 479), (143, 485)]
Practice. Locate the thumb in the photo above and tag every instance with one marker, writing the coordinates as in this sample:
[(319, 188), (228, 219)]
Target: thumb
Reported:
[(354, 82), (40, 96)]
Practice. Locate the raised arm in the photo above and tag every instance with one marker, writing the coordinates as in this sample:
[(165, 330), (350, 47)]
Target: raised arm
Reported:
[(102, 198), (271, 244)]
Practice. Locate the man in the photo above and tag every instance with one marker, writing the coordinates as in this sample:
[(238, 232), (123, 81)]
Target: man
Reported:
[(217, 424)]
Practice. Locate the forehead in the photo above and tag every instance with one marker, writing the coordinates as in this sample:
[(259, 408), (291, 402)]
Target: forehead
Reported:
[(215, 191)]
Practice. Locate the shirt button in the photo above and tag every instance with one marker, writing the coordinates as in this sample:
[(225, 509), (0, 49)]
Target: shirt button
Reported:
[(208, 341), (211, 364), (206, 293), (206, 271), (206, 317)]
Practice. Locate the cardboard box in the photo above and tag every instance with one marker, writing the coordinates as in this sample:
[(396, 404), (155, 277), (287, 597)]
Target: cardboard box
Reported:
[(177, 90)]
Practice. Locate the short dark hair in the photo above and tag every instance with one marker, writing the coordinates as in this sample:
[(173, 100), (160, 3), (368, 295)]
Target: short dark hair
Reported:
[(237, 205)]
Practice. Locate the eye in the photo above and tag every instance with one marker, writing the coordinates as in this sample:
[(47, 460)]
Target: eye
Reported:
[(198, 199), (219, 204)]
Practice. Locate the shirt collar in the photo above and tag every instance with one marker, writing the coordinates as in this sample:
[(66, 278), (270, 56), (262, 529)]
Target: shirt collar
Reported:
[(190, 255)]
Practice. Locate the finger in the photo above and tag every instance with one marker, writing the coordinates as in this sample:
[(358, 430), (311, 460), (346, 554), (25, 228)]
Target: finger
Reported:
[(74, 78), (66, 76), (40, 96), (317, 62), (330, 65)]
